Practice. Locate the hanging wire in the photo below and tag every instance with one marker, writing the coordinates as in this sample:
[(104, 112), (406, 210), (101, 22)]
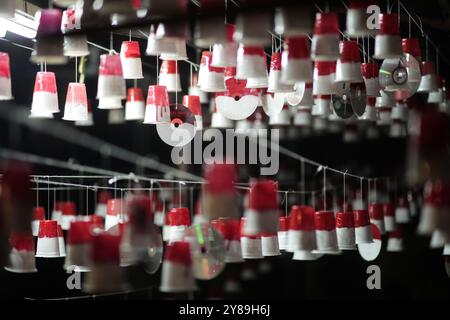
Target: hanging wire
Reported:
[(111, 42), (419, 25), (437, 60), (157, 70), (361, 192), (76, 69), (286, 203), (100, 47), (87, 201), (409, 26), (324, 189), (48, 196), (388, 188), (16, 44), (179, 194), (302, 181), (344, 185), (37, 194), (176, 84), (375, 188)]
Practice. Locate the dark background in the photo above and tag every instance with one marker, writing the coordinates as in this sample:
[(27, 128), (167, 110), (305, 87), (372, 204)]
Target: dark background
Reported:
[(418, 272)]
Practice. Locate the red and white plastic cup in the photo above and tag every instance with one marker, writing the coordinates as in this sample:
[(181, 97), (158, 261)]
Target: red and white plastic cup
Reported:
[(177, 273), (102, 203), (113, 213), (428, 81), (326, 237), (219, 121), (322, 106), (193, 104), (157, 109), (283, 232), (388, 43), (370, 113), (203, 69), (49, 42), (212, 78), (345, 230), (68, 209), (5, 77), (224, 54), (437, 240), (174, 49), (48, 242), (262, 212), (21, 256), (302, 95), (323, 77), (377, 216), (395, 241), (130, 56), (437, 96), (76, 108), (196, 91), (411, 46), (325, 40), (135, 105), (296, 65), (363, 231), (389, 217), (62, 245), (283, 118), (356, 19), (302, 230), (57, 212), (251, 62), (45, 95), (303, 117), (402, 211), (38, 215), (370, 71), (348, 66), (106, 274), (157, 45), (435, 207), (179, 220), (158, 218), (79, 240), (169, 76), (111, 83), (251, 246), (269, 245), (258, 83), (384, 105), (230, 230), (275, 83), (75, 45)]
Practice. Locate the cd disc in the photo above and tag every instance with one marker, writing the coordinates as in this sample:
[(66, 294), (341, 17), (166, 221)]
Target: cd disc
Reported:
[(207, 249), (154, 250), (143, 248), (181, 129), (400, 77), (358, 97), (341, 101), (294, 98)]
